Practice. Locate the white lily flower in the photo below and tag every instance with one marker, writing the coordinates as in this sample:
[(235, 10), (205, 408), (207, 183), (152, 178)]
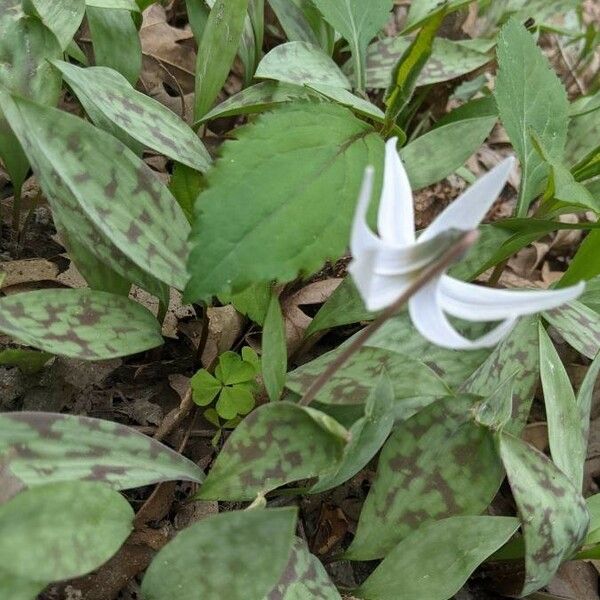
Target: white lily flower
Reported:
[(384, 265)]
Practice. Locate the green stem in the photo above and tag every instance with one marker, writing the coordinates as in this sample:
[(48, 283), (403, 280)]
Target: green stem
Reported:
[(16, 215), (360, 67)]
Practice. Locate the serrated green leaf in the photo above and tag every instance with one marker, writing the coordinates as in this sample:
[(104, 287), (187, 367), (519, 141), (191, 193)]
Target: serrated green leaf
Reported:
[(116, 41), (79, 524), (136, 114), (578, 325), (80, 323), (530, 98), (553, 514), (437, 559), (367, 436), (93, 180), (304, 578), (439, 152), (301, 63), (234, 401), (517, 355), (217, 50), (437, 464), (293, 22), (274, 350), (28, 361), (242, 555), (305, 166), (584, 264), (358, 24), (276, 444), (205, 387), (44, 448)]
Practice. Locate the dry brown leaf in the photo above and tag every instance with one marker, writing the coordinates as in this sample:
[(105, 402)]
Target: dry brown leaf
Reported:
[(28, 271), (536, 434), (576, 580)]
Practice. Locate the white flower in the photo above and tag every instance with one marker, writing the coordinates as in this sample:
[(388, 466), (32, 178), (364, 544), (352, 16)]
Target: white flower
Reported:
[(383, 266)]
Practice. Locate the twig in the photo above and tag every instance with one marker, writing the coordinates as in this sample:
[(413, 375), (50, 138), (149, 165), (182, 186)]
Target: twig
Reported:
[(457, 250), (175, 417)]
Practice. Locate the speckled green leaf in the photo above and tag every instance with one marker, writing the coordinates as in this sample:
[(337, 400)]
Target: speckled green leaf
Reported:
[(293, 22), (530, 99), (518, 356), (46, 448), (449, 60), (415, 384), (62, 17), (80, 323), (276, 444), (578, 325), (367, 435), (62, 530), (437, 464), (136, 114), (435, 561), (304, 578), (304, 164), (301, 63), (93, 181), (553, 513), (238, 555), (345, 98)]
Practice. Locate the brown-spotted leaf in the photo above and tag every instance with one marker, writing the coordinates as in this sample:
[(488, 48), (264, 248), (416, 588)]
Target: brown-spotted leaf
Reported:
[(44, 448), (516, 356), (304, 578), (579, 325), (84, 170), (437, 464), (553, 513), (79, 323), (276, 444)]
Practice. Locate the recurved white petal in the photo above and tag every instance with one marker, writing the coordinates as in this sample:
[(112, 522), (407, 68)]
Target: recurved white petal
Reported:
[(362, 239), (377, 291), (467, 211)]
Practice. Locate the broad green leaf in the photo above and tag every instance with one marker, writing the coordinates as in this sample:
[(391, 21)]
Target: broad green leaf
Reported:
[(593, 506), (28, 361), (441, 151), (518, 356), (79, 524), (584, 264), (415, 384), (367, 436), (495, 411), (205, 387), (217, 50), (585, 397), (531, 99), (62, 17), (276, 444), (358, 24), (304, 164), (131, 5), (437, 559), (92, 179), (564, 188), (116, 41), (185, 185), (44, 448), (18, 588), (578, 325), (252, 302), (234, 401), (591, 295), (232, 369), (80, 323), (258, 98), (553, 514), (301, 63), (304, 578), (421, 10), (274, 350), (567, 445), (237, 555), (439, 463), (293, 22), (251, 43), (136, 114), (197, 13), (346, 98)]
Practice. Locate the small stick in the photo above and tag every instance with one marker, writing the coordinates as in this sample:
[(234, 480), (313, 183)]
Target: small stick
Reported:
[(452, 254)]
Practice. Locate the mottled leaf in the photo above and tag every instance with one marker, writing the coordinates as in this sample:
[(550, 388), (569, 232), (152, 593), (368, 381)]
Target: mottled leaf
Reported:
[(367, 436), (19, 588), (217, 50), (80, 323), (439, 152), (274, 350), (585, 397), (578, 325), (346, 98), (136, 114), (304, 164), (301, 63), (437, 464), (530, 99), (304, 578), (46, 448), (276, 444), (62, 17), (553, 513), (62, 530), (235, 555), (518, 356), (92, 179), (293, 22), (437, 559)]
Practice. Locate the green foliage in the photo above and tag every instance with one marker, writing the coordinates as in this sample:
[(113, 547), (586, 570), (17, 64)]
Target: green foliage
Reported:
[(578, 325), (62, 18), (274, 350), (584, 264), (28, 361), (293, 21)]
